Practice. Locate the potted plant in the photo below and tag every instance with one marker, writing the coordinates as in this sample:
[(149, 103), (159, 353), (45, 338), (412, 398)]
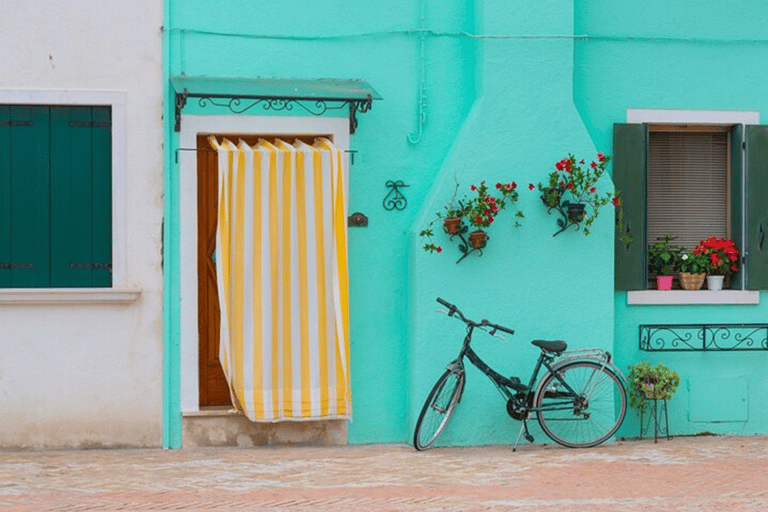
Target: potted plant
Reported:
[(662, 260), (648, 382), (723, 258), (481, 210), (571, 188), (693, 269)]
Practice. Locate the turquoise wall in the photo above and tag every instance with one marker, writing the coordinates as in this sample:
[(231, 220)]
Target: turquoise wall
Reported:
[(679, 55), (507, 89)]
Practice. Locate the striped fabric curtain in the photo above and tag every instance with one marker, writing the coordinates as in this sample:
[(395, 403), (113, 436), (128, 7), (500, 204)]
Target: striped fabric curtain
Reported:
[(282, 279)]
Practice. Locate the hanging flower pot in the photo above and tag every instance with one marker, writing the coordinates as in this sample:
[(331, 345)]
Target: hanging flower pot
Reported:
[(715, 283), (664, 282), (478, 238), (689, 281), (452, 225), (575, 212)]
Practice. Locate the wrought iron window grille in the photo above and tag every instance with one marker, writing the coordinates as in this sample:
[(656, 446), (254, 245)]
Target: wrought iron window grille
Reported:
[(703, 337)]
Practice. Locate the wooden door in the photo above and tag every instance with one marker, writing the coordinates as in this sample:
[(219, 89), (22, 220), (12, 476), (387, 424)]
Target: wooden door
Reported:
[(213, 386)]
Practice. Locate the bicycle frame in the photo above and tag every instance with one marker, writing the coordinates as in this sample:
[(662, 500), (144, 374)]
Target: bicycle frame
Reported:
[(505, 384)]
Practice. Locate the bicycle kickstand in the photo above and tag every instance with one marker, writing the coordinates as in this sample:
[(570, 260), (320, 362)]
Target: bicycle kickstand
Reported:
[(523, 431)]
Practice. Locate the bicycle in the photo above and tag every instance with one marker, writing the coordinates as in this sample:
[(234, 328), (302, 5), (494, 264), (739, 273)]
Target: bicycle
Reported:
[(579, 402)]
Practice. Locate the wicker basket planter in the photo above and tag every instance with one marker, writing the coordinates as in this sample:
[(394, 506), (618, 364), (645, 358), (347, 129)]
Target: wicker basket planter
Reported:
[(692, 281)]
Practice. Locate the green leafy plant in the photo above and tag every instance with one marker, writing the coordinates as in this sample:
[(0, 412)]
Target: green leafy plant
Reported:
[(693, 263), (573, 182), (662, 257), (455, 207), (648, 382)]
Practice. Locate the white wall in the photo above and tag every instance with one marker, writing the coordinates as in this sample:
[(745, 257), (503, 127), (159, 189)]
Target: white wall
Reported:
[(82, 368)]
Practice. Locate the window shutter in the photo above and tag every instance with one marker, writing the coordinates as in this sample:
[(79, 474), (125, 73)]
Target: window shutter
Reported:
[(5, 196), (756, 235), (81, 238), (630, 143), (737, 198), (29, 197)]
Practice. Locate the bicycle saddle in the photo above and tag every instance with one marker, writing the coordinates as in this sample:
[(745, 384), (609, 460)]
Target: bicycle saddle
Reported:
[(556, 346)]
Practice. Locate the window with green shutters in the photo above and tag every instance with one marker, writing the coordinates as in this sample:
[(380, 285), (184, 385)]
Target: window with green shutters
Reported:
[(56, 198), (692, 181)]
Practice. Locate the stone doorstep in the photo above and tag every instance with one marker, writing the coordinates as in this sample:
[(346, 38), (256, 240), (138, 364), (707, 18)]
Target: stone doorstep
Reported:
[(228, 428)]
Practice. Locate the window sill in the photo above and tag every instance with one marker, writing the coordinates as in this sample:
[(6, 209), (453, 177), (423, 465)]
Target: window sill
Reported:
[(69, 295), (681, 297)]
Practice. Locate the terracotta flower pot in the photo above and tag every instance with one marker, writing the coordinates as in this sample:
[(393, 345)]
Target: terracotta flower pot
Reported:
[(478, 238), (664, 282), (690, 281), (452, 225)]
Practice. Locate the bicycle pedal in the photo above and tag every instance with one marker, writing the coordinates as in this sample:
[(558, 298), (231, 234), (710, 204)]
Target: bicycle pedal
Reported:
[(528, 437)]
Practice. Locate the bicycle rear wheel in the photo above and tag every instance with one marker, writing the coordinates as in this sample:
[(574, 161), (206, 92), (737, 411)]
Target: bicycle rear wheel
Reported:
[(586, 418), (437, 410)]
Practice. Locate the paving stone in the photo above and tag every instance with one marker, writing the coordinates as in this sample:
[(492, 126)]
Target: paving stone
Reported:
[(683, 474)]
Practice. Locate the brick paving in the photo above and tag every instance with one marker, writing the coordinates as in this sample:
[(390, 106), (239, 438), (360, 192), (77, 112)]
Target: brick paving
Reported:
[(682, 474)]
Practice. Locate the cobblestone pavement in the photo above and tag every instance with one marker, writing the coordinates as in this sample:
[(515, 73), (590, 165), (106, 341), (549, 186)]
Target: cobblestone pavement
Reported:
[(682, 474)]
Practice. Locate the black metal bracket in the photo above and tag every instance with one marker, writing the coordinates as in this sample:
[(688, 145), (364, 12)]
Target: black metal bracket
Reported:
[(395, 200), (465, 247), (703, 337), (566, 220), (241, 103)]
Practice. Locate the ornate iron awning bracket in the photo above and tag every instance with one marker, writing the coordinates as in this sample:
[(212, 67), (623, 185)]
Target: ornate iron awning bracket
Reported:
[(239, 104)]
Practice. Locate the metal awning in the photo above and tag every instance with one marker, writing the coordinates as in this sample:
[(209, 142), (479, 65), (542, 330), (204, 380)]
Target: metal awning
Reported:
[(241, 94)]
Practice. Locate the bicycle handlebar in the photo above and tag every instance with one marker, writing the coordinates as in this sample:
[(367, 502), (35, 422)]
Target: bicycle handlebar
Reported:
[(453, 310)]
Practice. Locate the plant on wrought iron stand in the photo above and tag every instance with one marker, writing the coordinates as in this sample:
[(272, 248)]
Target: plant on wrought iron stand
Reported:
[(571, 189), (651, 384), (480, 212)]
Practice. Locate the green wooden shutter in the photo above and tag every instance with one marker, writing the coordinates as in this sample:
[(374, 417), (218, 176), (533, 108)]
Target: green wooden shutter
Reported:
[(756, 235), (5, 196), (102, 196), (81, 225), (630, 150), (737, 197), (29, 196)]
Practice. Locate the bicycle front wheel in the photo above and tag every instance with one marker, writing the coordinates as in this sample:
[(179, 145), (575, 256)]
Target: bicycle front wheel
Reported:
[(437, 410), (590, 414)]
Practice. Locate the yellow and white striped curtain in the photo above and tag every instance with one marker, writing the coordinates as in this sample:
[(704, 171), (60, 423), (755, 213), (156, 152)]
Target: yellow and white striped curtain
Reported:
[(282, 279)]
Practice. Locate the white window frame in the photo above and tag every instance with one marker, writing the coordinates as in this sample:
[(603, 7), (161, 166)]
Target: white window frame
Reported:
[(191, 126), (703, 117), (116, 100)]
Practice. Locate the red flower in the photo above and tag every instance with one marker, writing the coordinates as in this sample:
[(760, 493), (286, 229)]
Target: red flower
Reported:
[(498, 186), (473, 188), (616, 201), (592, 190), (562, 183), (511, 186), (559, 165), (569, 186), (531, 186), (439, 249), (593, 165), (601, 156), (490, 219)]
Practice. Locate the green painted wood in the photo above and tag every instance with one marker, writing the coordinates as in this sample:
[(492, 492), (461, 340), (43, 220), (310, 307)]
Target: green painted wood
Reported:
[(81, 202), (101, 247), (30, 189), (737, 197), (71, 210), (5, 195), (630, 143), (756, 265)]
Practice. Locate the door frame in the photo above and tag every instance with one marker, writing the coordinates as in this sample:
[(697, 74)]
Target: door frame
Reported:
[(191, 126)]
